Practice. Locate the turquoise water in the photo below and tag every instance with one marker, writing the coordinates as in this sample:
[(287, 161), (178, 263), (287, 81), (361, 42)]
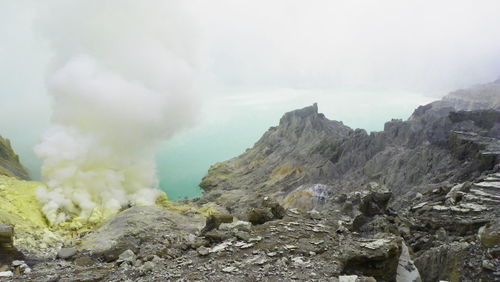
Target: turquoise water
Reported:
[(184, 160)]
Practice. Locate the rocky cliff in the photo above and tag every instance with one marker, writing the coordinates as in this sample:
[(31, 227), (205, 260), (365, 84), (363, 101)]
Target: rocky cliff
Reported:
[(448, 141), (437, 173), (9, 161)]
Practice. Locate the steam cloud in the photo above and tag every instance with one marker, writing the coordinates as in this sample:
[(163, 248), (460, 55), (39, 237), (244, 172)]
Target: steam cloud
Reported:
[(122, 81)]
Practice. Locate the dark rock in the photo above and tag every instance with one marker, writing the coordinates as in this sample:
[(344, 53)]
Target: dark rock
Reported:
[(375, 203), (218, 236), (84, 261), (276, 209), (8, 252), (376, 257), (215, 220), (260, 215)]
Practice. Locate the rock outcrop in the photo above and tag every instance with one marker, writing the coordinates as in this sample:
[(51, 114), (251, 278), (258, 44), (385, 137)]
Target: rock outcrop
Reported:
[(9, 161)]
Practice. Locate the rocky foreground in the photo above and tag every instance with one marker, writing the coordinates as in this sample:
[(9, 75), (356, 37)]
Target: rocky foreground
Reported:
[(313, 200)]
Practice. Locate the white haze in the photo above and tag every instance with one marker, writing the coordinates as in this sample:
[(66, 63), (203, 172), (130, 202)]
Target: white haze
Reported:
[(364, 61), (122, 80)]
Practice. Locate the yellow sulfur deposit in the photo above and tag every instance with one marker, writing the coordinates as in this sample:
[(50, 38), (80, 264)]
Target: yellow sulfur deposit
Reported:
[(18, 204), (20, 208)]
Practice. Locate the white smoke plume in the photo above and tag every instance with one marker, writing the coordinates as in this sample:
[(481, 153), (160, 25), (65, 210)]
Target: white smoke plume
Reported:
[(122, 81)]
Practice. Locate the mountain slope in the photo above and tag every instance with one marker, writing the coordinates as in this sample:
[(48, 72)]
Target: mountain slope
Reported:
[(440, 143), (9, 161)]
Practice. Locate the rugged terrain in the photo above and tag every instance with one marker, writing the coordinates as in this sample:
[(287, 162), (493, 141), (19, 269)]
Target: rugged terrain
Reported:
[(313, 200), (9, 161)]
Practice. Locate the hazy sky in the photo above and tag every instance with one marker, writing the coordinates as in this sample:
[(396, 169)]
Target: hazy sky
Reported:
[(364, 62)]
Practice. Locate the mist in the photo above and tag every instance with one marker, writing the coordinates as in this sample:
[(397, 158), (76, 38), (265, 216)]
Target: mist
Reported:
[(117, 93), (134, 65)]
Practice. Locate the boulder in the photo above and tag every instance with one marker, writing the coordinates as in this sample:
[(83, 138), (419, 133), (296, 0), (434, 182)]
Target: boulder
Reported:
[(489, 235), (134, 227), (377, 257), (445, 262), (269, 210), (375, 202)]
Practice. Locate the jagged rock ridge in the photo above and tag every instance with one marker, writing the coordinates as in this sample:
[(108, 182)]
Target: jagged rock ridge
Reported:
[(441, 142)]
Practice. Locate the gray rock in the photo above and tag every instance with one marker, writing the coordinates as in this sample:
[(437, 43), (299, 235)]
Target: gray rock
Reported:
[(127, 256), (6, 274), (236, 226), (445, 262), (147, 267), (66, 253), (348, 278), (202, 251), (128, 229), (229, 269), (361, 255), (17, 263)]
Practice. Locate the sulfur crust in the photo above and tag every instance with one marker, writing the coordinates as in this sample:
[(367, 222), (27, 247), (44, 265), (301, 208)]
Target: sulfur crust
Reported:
[(20, 208)]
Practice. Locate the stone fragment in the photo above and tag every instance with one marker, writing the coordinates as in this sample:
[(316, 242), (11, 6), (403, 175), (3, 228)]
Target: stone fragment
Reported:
[(407, 271), (276, 209), (16, 263), (66, 253), (127, 256), (229, 269), (147, 267), (220, 247), (237, 226), (255, 239), (490, 235), (6, 274), (375, 244), (203, 251), (348, 278)]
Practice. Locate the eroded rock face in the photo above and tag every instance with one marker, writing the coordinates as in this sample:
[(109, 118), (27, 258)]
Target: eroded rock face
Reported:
[(307, 159), (285, 157), (9, 161)]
